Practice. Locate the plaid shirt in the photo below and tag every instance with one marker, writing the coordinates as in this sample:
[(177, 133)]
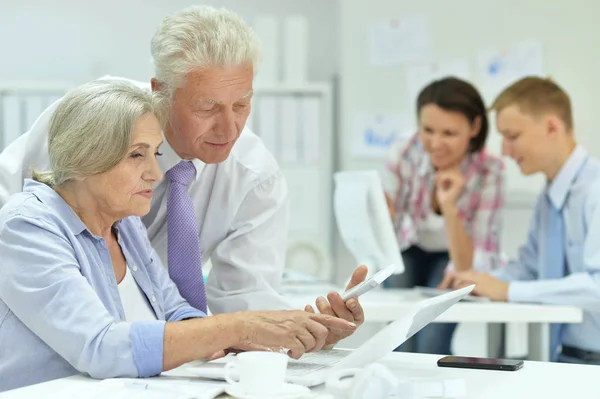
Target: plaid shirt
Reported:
[(409, 181)]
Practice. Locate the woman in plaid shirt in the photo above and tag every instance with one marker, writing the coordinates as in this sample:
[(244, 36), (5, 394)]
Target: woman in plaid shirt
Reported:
[(445, 196)]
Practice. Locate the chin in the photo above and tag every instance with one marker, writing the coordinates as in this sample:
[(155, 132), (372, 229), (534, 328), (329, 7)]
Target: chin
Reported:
[(140, 211), (527, 170), (441, 165), (213, 156)]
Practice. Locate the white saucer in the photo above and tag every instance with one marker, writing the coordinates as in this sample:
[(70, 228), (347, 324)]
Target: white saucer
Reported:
[(288, 391)]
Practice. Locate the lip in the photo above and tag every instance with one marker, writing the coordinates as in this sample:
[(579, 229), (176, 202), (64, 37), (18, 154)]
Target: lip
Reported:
[(218, 145), (145, 193)]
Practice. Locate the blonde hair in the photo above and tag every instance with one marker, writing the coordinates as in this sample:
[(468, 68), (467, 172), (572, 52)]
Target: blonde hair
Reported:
[(201, 37), (90, 131), (536, 96)]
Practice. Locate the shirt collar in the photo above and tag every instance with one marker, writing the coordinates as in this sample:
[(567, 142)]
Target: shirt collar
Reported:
[(48, 196), (560, 186), (170, 158)]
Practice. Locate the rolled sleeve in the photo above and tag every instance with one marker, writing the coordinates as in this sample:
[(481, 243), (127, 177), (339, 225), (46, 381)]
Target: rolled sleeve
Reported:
[(147, 338), (186, 313)]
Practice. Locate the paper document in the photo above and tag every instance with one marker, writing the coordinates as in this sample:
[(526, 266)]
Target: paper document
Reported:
[(395, 41), (374, 133), (419, 76), (498, 68)]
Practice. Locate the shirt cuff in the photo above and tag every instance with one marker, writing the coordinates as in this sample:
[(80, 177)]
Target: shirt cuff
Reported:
[(520, 291), (147, 339), (186, 312)]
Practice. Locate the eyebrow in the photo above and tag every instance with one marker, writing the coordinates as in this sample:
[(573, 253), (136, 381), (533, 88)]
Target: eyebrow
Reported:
[(211, 101), (144, 145)]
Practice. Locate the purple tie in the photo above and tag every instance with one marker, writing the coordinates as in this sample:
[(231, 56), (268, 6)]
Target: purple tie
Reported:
[(184, 256)]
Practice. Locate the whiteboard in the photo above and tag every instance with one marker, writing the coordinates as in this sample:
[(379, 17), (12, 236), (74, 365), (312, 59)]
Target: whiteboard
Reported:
[(567, 30)]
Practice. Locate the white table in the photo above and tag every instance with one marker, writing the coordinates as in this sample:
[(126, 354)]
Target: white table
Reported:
[(384, 306), (534, 380)]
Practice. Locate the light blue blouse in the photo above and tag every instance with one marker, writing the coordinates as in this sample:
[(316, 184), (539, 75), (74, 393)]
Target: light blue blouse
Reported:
[(60, 309)]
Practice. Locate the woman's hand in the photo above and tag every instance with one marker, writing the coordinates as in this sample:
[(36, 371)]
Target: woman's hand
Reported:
[(449, 185)]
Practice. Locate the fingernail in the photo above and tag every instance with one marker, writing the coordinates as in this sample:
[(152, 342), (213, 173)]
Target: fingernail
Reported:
[(353, 325), (320, 299), (353, 305)]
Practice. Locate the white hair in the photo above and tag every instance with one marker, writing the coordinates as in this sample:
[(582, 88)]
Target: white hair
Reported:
[(201, 37), (91, 130)]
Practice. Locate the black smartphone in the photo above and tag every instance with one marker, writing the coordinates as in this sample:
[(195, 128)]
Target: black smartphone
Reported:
[(480, 363)]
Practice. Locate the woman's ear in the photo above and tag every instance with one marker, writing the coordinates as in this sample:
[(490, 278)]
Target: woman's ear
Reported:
[(475, 126)]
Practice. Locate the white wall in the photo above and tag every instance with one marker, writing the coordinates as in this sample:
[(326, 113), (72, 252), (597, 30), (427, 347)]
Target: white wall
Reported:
[(79, 40)]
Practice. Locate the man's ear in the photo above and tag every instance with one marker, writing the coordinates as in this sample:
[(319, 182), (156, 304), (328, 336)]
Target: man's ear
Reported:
[(553, 125), (156, 86)]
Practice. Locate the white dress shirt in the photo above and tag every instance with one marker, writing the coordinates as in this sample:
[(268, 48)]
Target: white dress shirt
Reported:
[(241, 206)]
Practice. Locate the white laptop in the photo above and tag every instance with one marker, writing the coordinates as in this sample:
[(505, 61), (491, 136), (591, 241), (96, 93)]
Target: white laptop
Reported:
[(314, 368)]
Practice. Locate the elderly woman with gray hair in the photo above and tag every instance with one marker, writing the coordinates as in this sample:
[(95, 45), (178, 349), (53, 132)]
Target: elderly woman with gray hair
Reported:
[(81, 289)]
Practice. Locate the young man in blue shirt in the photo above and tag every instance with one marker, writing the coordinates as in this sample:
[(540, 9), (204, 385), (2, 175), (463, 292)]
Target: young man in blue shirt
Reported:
[(560, 262)]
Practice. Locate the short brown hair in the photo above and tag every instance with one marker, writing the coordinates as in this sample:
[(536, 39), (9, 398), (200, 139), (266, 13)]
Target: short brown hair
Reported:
[(453, 94), (535, 96)]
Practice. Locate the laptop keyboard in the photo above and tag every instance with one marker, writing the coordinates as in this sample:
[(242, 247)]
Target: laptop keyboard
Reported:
[(311, 362)]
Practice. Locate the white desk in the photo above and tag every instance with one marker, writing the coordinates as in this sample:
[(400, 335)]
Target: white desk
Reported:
[(384, 306), (534, 380)]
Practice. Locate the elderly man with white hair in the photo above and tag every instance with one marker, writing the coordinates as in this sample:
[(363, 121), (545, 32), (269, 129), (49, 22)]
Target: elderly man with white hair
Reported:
[(223, 198), (81, 289)]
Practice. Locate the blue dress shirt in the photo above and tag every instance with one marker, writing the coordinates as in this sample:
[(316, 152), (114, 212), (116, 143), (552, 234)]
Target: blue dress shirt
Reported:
[(60, 309), (575, 190)]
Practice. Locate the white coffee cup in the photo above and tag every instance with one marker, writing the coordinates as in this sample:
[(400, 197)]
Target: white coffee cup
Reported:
[(258, 373)]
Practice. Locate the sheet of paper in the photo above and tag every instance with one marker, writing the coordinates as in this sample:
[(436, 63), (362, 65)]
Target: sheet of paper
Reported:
[(420, 75), (374, 133), (395, 41), (498, 68), (171, 387)]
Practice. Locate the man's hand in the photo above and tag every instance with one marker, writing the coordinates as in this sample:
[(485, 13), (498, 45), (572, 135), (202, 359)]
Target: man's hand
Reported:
[(334, 306), (449, 185), (485, 285), (293, 331)]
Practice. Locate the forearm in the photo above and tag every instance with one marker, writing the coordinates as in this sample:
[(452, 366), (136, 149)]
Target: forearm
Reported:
[(194, 339), (460, 244), (579, 289)]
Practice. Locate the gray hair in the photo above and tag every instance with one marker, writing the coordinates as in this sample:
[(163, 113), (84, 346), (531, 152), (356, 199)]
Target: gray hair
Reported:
[(90, 131), (201, 37)]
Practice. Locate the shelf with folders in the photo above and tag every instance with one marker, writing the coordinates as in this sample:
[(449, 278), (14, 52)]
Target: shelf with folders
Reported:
[(295, 122)]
